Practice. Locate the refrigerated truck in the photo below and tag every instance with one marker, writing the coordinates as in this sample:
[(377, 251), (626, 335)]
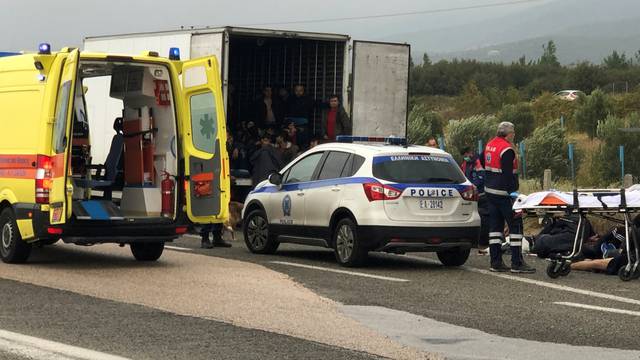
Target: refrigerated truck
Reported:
[(371, 77)]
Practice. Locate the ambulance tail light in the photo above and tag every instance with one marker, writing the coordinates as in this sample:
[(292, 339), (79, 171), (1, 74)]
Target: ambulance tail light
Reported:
[(44, 164), (470, 193), (377, 191)]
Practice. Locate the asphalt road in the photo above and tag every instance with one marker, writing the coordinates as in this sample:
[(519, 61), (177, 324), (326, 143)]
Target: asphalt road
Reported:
[(140, 332), (540, 309), (462, 313)]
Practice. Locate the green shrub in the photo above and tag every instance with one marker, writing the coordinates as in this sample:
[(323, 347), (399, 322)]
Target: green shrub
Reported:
[(423, 124), (592, 109), (521, 116), (547, 108), (472, 101), (466, 132), (546, 148), (615, 131)]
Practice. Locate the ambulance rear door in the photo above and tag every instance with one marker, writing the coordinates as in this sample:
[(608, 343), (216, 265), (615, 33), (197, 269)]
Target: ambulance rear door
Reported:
[(204, 142), (54, 171)]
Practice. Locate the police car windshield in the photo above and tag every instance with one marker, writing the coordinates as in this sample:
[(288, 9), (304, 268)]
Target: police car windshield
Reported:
[(417, 169)]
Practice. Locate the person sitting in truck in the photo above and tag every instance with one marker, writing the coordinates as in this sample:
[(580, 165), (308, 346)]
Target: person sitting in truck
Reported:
[(335, 120)]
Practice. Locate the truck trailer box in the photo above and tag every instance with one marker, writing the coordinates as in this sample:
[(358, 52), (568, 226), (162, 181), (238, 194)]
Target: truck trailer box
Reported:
[(370, 77)]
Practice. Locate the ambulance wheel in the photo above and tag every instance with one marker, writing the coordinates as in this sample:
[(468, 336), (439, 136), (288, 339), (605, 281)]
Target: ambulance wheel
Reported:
[(147, 251), (256, 234), (565, 269), (453, 257), (553, 270), (624, 274), (348, 250), (13, 249)]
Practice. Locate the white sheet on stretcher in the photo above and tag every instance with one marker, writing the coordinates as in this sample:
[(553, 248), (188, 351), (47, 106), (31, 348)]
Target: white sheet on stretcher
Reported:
[(585, 200)]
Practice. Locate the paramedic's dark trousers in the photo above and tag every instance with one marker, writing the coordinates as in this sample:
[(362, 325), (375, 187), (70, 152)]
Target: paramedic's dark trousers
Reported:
[(500, 211)]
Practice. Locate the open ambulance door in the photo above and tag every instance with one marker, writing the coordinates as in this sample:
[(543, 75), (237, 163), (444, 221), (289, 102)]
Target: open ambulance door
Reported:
[(52, 171), (380, 84), (204, 142)]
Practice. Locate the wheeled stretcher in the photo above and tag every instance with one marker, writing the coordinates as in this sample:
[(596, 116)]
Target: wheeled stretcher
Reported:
[(583, 202)]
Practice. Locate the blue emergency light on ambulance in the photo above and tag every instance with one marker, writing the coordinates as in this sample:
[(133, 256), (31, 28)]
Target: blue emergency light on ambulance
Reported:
[(174, 53), (44, 49)]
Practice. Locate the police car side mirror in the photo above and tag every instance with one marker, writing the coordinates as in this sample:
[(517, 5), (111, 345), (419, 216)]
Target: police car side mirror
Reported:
[(275, 179)]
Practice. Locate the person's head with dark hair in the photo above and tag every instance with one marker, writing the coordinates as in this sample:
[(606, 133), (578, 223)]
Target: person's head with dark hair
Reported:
[(467, 153), (432, 142), (298, 90), (334, 101), (265, 139)]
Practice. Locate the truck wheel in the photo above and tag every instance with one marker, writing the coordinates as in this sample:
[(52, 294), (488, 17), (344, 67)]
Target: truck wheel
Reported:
[(454, 257), (150, 251), (13, 249), (256, 234), (347, 247)]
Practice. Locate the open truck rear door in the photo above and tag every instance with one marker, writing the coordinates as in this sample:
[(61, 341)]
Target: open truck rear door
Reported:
[(52, 171), (204, 141), (379, 97)]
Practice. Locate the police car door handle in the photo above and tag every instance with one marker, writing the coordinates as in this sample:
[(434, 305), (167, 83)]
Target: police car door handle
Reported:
[(335, 189), (300, 193)]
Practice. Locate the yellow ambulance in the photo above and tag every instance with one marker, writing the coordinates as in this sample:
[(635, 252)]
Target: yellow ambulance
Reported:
[(101, 148)]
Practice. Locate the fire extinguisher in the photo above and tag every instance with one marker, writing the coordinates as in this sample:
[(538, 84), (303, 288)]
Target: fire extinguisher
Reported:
[(168, 189)]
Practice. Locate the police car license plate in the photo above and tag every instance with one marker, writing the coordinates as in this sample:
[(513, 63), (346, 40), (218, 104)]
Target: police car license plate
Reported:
[(431, 204)]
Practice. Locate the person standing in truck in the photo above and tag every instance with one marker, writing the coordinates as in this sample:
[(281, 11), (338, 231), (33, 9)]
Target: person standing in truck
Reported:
[(335, 120), (267, 109), (501, 185), (300, 111)]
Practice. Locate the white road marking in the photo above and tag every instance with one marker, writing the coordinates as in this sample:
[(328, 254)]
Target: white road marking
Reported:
[(599, 308), (35, 348), (177, 248), (525, 280), (386, 278)]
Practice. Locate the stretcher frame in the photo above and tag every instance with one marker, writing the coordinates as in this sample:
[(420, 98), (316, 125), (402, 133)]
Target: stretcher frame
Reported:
[(561, 264)]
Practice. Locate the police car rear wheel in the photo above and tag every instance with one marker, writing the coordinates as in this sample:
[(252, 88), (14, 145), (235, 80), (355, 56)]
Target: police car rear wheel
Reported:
[(256, 234), (147, 251), (12, 248), (453, 257), (347, 247)]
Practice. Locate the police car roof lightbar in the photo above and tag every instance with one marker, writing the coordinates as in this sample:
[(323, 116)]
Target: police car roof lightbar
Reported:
[(391, 140)]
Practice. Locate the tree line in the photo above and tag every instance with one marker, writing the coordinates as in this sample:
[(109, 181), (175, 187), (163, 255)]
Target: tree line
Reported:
[(530, 77)]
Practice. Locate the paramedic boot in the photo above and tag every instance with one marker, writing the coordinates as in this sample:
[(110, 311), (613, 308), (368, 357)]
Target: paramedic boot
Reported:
[(205, 243), (497, 265), (518, 265), (218, 241)]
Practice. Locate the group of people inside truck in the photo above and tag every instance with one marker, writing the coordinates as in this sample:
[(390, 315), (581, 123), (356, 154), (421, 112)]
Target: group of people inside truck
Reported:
[(279, 128)]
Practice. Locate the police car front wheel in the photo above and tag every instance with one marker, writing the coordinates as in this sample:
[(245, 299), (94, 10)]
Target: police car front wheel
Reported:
[(12, 248), (347, 247), (453, 257), (256, 234)]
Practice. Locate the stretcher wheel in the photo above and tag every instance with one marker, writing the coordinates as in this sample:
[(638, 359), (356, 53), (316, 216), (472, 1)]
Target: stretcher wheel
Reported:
[(624, 274), (565, 269), (553, 270)]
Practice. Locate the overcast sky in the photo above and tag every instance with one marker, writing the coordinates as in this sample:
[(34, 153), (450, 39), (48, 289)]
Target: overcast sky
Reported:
[(25, 23)]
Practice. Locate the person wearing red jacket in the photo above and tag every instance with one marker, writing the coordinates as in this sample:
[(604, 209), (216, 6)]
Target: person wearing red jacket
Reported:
[(501, 182)]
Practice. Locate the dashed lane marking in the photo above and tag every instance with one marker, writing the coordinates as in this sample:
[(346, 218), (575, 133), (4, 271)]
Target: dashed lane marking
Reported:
[(524, 279), (37, 348), (345, 272), (599, 308), (178, 248)]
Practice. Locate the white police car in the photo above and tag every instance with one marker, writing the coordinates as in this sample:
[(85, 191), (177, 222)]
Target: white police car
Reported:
[(357, 198)]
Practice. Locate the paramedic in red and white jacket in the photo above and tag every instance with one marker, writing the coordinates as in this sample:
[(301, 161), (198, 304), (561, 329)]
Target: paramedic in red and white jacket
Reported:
[(501, 180)]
